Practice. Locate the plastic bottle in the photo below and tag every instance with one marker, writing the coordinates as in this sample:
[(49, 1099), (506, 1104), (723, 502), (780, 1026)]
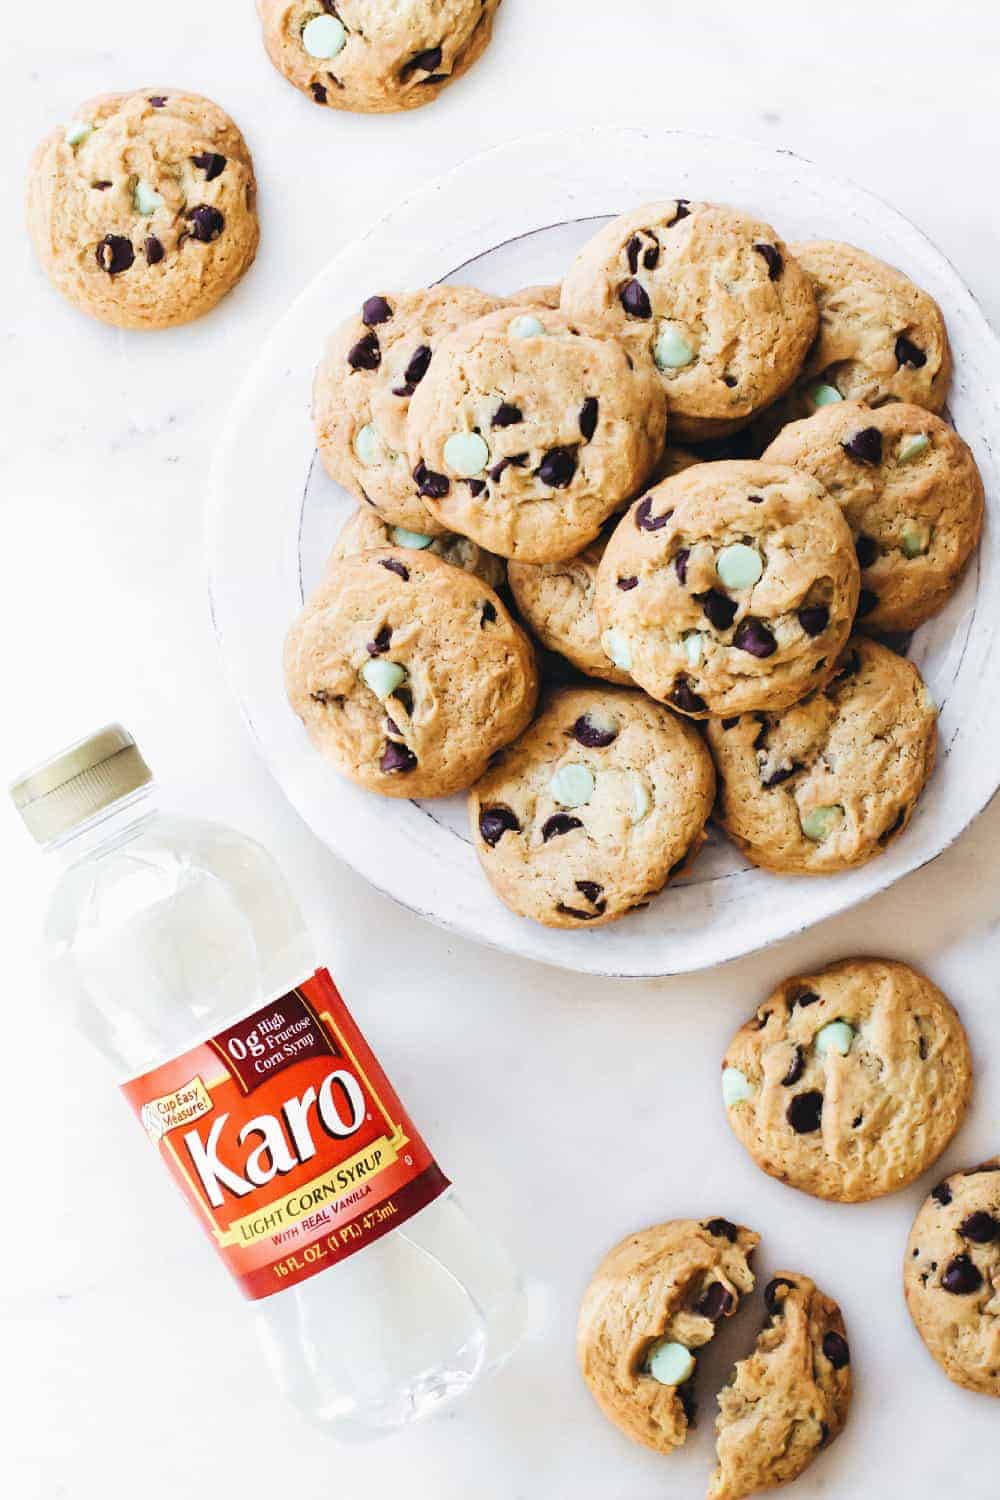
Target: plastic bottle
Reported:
[(163, 932)]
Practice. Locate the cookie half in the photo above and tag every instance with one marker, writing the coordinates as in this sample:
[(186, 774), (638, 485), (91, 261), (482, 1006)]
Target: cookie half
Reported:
[(654, 1300), (589, 813), (850, 1082), (557, 602), (951, 1276)]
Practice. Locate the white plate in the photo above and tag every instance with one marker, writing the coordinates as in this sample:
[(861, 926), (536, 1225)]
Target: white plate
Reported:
[(514, 216)]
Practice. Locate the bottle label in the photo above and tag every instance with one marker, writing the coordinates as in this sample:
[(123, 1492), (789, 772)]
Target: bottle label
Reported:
[(287, 1139)]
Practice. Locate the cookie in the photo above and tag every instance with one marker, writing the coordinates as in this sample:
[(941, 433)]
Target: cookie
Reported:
[(657, 1296), (528, 431), (407, 673), (709, 297), (848, 1083), (829, 783), (730, 587), (787, 1400), (537, 296), (951, 1277), (365, 530), (371, 57), (592, 810), (912, 495), (881, 338), (557, 601), (371, 367), (142, 208)]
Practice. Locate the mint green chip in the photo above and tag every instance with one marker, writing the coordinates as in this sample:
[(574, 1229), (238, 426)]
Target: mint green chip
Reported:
[(819, 822), (324, 36), (836, 1037), (572, 785), (672, 350), (525, 326), (735, 1087), (77, 132), (916, 539), (739, 566), (616, 649), (670, 1363), (415, 540), (694, 643), (145, 199), (368, 444), (466, 454), (383, 677), (825, 395), (912, 446)]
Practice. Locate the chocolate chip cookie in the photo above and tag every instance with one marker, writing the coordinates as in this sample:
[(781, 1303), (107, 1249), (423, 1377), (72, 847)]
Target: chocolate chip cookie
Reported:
[(372, 365), (371, 57), (407, 673), (912, 495), (850, 1082), (730, 587), (787, 1400), (709, 297), (655, 1298), (951, 1276), (829, 783), (592, 810), (528, 431), (365, 530), (142, 208), (557, 602)]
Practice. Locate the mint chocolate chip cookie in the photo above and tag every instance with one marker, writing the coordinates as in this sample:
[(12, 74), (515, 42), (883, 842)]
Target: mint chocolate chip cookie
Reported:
[(372, 57), (708, 298), (912, 495), (557, 602), (142, 207), (365, 530), (854, 1079), (408, 673), (529, 430), (830, 782), (369, 372), (731, 586), (592, 810)]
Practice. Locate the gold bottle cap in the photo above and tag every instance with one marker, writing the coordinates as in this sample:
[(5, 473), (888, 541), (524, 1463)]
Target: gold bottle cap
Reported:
[(69, 788)]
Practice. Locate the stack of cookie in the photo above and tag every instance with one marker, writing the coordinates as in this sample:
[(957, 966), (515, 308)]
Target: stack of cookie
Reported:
[(730, 598)]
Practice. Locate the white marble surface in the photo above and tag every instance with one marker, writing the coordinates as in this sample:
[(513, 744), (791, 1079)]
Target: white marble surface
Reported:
[(568, 1110)]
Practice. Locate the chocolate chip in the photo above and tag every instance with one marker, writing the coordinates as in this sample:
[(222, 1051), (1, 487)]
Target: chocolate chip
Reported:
[(517, 461), (634, 299), (804, 1112), (591, 890), (689, 1405), (404, 698), (206, 223), (728, 724), (423, 62), (761, 1020), (681, 564), (487, 614), (557, 825), (375, 310), (627, 583), (102, 186), (723, 1229), (632, 252), (866, 548), (325, 698), (318, 92), (476, 486), (582, 916), (961, 1277), (756, 499), (115, 254), (396, 757), (922, 1044), (715, 1303), (405, 390), (754, 637), (981, 1228), (588, 417), (909, 353), (856, 1121), (760, 739), (417, 368), (772, 259), (557, 468), (494, 822), (153, 250), (867, 600), (865, 447), (211, 163), (718, 608), (393, 727), (366, 353), (158, 100), (507, 415), (685, 698), (381, 642), (644, 518), (941, 1194), (796, 1068), (432, 78), (814, 619), (434, 486), (682, 211), (893, 827), (588, 733), (771, 1291), (836, 1350), (730, 381), (651, 257), (395, 567)]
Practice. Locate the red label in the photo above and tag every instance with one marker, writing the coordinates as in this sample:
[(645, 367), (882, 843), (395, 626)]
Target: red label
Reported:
[(287, 1139)]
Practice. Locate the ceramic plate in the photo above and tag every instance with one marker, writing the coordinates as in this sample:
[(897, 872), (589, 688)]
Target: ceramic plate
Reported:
[(512, 217)]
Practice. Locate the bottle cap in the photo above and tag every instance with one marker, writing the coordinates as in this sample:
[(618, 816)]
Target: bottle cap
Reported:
[(69, 788)]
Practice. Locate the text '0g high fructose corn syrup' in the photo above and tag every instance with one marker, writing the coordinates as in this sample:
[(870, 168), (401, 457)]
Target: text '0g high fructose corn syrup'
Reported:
[(183, 951)]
